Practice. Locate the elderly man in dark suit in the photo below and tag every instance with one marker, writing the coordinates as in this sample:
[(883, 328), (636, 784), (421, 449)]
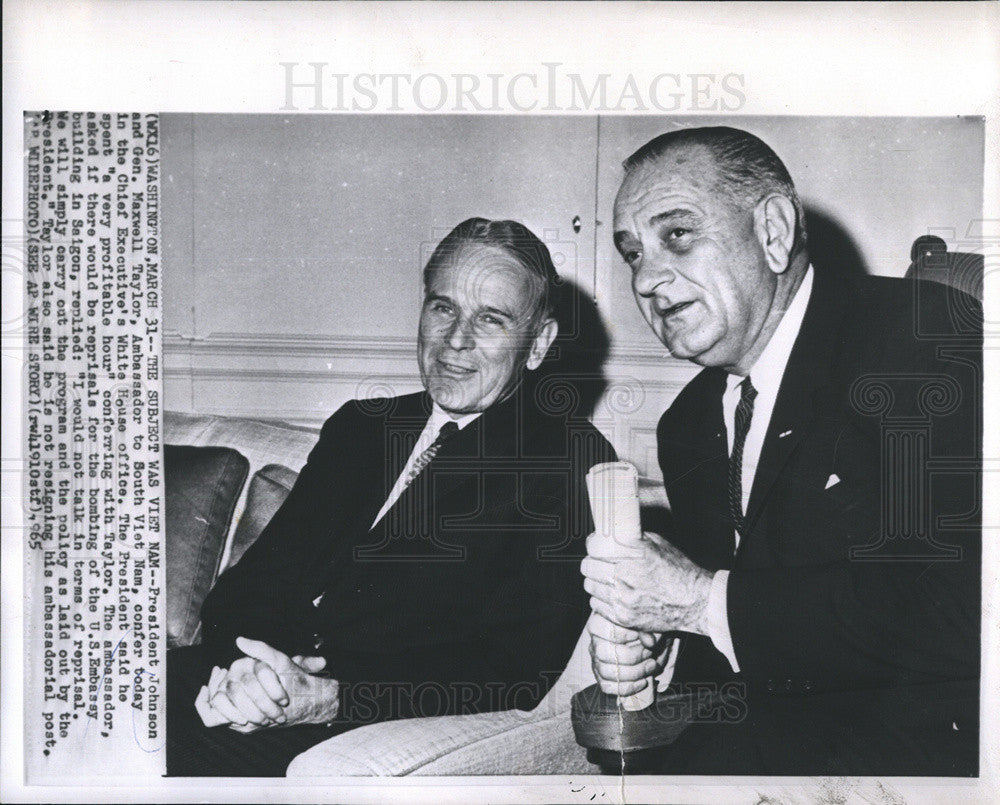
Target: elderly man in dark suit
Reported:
[(822, 473), (423, 562)]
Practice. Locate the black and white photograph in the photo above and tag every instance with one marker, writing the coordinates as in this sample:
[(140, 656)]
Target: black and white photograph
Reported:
[(804, 598), (599, 435)]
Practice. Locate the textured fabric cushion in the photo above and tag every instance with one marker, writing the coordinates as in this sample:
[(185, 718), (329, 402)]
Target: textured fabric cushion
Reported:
[(541, 745), (202, 485), (268, 489), (505, 743), (652, 493), (262, 441)]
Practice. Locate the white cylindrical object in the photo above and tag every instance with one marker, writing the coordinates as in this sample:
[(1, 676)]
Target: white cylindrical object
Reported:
[(614, 501), (613, 488)]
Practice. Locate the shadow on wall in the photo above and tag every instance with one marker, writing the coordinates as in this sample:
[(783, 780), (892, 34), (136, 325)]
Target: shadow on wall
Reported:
[(831, 247), (572, 377)]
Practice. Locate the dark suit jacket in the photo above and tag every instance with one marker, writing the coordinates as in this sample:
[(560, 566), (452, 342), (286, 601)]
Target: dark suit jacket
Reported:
[(854, 604), (466, 596)]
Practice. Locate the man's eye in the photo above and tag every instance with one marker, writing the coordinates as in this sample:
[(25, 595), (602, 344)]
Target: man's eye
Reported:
[(630, 256), (677, 232), (441, 307), (491, 320)]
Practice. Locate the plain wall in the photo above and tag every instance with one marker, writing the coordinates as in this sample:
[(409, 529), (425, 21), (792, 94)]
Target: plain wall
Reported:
[(293, 245)]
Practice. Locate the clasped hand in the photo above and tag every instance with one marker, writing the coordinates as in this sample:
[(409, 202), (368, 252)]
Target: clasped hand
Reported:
[(266, 689), (648, 589)]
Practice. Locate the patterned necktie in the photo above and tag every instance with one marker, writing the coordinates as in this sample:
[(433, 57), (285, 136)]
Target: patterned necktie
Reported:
[(448, 429), (744, 413)]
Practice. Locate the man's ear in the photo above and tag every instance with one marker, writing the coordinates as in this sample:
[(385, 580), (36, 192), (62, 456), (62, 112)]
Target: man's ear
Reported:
[(541, 343), (774, 224)]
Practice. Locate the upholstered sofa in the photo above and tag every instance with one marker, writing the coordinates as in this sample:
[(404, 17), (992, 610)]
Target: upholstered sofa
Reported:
[(225, 477)]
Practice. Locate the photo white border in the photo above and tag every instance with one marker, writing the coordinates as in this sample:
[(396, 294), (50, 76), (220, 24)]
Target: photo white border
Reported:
[(796, 58)]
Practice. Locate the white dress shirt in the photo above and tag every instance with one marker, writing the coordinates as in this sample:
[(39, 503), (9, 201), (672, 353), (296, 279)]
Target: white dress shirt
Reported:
[(766, 376), (430, 432)]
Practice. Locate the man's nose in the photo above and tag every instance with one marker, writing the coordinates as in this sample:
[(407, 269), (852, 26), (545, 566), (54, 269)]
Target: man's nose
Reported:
[(460, 335), (650, 275)]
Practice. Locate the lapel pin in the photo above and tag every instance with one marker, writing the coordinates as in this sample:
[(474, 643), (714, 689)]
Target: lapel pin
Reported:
[(783, 435)]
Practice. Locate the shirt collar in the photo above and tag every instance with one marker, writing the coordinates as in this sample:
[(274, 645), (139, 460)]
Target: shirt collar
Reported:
[(770, 366), (439, 416)]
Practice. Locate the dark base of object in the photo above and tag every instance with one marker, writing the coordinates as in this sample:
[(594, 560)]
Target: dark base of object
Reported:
[(600, 724), (641, 761)]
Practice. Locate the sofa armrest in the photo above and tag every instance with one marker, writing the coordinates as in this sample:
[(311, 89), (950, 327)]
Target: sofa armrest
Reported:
[(509, 742)]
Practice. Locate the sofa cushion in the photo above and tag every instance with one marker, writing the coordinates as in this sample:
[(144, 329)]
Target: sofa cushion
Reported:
[(201, 486), (269, 487), (262, 441), (510, 742)]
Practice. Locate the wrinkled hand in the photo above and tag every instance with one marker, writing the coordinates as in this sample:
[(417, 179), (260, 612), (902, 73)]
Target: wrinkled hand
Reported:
[(657, 590), (267, 688)]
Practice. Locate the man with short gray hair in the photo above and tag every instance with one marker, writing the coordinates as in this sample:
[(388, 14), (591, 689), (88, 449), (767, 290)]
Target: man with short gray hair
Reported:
[(425, 561), (810, 560)]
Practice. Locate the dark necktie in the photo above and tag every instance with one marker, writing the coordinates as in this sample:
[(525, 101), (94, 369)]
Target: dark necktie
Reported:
[(744, 413), (448, 429)]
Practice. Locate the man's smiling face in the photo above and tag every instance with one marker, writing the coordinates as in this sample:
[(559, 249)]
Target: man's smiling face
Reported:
[(479, 328), (699, 273)]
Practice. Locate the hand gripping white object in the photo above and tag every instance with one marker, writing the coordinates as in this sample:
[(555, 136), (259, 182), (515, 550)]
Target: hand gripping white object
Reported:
[(613, 488)]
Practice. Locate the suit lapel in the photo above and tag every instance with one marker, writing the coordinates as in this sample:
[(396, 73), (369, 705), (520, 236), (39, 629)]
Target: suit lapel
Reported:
[(695, 463), (459, 464), (803, 388), (452, 483), (463, 460), (400, 429)]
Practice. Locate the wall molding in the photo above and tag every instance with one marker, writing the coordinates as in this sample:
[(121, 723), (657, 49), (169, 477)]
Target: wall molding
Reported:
[(223, 374), (302, 379), (271, 344), (354, 346)]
